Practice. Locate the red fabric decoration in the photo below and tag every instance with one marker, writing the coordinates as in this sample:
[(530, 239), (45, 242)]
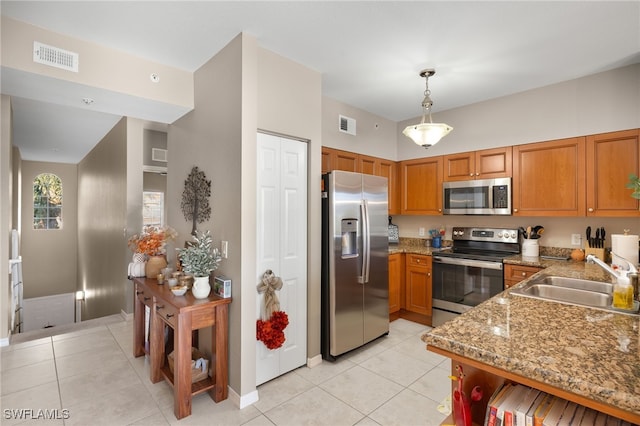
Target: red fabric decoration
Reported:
[(271, 331)]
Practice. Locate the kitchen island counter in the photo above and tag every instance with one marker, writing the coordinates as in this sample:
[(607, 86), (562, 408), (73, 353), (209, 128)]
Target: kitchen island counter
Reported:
[(586, 355)]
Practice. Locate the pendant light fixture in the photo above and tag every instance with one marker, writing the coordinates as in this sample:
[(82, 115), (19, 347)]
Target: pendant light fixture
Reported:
[(427, 134)]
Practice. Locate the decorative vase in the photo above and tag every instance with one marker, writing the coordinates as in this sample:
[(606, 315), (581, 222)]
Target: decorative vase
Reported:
[(139, 257), (201, 287), (155, 265)]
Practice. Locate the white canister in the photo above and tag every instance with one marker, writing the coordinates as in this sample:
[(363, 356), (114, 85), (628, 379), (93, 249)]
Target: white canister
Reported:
[(530, 248)]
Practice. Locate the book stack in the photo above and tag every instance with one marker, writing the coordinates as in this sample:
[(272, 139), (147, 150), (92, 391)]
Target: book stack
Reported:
[(518, 405)]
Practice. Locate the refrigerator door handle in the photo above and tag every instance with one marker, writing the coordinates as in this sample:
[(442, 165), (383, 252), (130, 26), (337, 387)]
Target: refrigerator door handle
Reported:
[(366, 242)]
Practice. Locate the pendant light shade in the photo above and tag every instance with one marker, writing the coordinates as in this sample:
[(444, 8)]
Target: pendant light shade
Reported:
[(427, 134)]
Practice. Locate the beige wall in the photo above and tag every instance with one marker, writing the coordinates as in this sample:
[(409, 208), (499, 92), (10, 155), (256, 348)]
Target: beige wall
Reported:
[(597, 103), (241, 89), (134, 187), (603, 102), (290, 103), (211, 138), (375, 135), (100, 67), (49, 255), (102, 208), (5, 216)]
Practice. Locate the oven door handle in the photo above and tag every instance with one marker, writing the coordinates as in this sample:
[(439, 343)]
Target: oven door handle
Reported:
[(468, 262)]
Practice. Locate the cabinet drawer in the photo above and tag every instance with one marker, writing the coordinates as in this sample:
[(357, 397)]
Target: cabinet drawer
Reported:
[(417, 260), (518, 273), (146, 299), (167, 313)]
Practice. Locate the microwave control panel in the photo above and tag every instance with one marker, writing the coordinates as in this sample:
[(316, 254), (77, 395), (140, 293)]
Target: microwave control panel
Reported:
[(501, 197)]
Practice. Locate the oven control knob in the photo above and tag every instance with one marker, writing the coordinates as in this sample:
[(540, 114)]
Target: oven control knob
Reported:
[(500, 235), (514, 235)]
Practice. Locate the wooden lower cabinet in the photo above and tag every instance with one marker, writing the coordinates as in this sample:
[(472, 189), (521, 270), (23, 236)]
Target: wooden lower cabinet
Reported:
[(396, 283), (513, 274), (418, 298)]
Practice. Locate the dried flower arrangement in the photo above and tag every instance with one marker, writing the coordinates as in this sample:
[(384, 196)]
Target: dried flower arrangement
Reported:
[(152, 241)]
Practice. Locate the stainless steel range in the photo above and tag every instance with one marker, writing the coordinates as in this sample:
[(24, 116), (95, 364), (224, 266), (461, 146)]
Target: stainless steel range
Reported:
[(471, 271)]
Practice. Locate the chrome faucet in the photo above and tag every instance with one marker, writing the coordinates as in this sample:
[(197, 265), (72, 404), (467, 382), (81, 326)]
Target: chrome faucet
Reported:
[(621, 277)]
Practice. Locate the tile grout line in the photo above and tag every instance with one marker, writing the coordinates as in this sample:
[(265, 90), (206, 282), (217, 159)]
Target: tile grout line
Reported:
[(55, 366)]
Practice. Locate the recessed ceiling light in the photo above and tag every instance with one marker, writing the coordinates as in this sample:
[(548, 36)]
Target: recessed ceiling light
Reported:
[(154, 77), (87, 101)]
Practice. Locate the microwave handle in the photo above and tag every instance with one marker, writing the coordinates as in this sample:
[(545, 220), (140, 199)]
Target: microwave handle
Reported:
[(468, 262)]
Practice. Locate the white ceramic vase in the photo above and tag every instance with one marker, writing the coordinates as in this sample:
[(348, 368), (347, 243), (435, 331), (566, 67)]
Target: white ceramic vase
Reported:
[(201, 287)]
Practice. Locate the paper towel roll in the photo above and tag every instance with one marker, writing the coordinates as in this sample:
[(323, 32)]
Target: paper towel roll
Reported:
[(624, 246)]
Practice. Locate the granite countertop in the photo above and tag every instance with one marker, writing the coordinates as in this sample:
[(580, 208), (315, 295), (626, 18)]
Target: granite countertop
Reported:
[(589, 352)]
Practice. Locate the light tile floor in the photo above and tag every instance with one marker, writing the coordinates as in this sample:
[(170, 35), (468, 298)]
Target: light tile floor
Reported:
[(90, 376)]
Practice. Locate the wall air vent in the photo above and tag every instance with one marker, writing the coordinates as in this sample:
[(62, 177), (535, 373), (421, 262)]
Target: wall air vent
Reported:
[(347, 125), (158, 154), (55, 57)]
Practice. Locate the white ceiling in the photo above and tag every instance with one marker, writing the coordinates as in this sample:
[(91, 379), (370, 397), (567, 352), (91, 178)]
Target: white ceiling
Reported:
[(369, 53)]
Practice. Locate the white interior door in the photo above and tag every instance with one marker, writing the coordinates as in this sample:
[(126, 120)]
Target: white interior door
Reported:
[(282, 246)]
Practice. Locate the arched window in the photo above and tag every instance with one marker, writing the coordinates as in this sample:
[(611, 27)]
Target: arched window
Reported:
[(47, 202)]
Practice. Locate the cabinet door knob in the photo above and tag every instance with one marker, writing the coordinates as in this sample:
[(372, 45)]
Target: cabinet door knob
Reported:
[(590, 209), (524, 274), (139, 292), (169, 316), (477, 174), (159, 307), (147, 298), (471, 174), (515, 210), (428, 274)]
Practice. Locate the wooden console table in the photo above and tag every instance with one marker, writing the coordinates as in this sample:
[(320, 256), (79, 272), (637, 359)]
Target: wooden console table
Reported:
[(183, 314)]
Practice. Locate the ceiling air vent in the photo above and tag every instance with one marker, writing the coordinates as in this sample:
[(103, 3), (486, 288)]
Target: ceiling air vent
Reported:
[(158, 154), (346, 125), (55, 57)]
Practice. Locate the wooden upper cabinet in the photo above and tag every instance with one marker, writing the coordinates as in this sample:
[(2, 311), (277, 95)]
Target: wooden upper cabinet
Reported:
[(611, 158), (326, 160), (485, 164), (389, 169), (368, 165), (335, 159), (421, 186), (347, 161), (549, 178)]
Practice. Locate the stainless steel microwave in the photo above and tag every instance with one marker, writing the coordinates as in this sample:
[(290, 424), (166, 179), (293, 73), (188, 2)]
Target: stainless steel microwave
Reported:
[(481, 197)]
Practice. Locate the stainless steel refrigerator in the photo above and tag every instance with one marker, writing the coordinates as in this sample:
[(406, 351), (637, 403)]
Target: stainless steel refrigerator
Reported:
[(355, 270)]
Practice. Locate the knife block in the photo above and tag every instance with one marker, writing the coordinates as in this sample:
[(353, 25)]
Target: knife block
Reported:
[(597, 252)]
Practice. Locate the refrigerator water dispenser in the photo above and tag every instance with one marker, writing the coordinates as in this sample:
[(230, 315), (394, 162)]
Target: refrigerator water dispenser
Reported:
[(349, 231)]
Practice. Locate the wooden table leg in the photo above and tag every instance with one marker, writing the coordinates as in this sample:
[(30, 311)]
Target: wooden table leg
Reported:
[(156, 343), (220, 354), (138, 324), (182, 367)]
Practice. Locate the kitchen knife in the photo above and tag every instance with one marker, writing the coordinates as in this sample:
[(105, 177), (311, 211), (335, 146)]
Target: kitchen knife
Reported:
[(602, 235), (589, 237), (597, 241)]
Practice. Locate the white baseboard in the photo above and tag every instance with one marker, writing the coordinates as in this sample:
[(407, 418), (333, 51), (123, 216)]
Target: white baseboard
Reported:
[(126, 316), (4, 341), (245, 400), (314, 361)]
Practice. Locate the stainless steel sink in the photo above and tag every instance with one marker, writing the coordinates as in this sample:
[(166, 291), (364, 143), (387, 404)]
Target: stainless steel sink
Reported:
[(572, 291)]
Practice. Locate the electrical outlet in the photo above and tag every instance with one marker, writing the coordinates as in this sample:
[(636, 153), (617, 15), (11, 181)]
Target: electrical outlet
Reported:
[(576, 239), (421, 232)]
